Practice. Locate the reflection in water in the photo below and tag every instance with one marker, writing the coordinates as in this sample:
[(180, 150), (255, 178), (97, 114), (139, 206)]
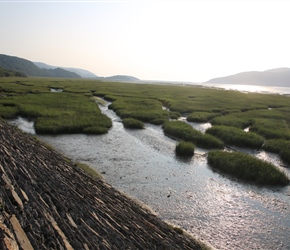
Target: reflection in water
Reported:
[(251, 88), (226, 213)]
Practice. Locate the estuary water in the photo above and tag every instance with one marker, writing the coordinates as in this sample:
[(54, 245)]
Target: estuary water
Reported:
[(221, 211), (252, 88)]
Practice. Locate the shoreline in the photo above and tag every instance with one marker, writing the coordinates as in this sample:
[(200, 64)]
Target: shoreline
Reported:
[(48, 202)]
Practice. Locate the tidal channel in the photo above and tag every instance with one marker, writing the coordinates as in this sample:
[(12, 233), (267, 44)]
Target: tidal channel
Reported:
[(214, 208)]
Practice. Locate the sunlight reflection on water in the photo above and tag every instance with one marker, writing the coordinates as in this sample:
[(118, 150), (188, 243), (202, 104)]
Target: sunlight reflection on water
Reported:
[(222, 211), (250, 88)]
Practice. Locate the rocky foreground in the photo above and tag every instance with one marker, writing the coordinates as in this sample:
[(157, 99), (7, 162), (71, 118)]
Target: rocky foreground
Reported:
[(46, 202)]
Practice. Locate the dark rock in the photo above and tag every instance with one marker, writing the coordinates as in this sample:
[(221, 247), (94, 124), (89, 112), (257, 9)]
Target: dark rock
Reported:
[(63, 208)]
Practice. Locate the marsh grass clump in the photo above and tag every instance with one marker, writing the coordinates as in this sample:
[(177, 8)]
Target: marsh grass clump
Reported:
[(95, 130), (271, 128), (140, 108), (201, 116), (269, 123), (132, 123), (73, 124), (276, 145), (8, 112), (279, 146), (185, 148), (183, 131), (285, 155), (236, 136), (247, 168), (234, 120), (158, 121), (174, 115), (89, 170), (56, 113), (266, 115)]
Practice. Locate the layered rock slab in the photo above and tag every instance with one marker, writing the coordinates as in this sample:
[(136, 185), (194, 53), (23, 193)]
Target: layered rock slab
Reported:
[(47, 202)]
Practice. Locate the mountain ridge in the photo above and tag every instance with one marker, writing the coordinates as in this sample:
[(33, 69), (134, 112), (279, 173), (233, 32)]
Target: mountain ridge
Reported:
[(82, 72), (28, 68), (279, 77), (87, 74), (10, 73), (25, 67)]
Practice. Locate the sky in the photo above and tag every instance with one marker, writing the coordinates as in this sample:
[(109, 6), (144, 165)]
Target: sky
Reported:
[(152, 40)]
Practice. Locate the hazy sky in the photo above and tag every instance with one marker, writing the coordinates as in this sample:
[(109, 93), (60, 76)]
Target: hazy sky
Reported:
[(157, 40)]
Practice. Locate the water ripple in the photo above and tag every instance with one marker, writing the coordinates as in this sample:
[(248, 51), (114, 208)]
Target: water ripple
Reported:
[(222, 211)]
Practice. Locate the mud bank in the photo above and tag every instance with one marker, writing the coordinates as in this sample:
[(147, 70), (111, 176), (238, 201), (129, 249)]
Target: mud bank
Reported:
[(48, 203)]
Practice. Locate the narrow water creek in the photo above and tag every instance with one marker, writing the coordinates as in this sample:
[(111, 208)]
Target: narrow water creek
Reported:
[(221, 211)]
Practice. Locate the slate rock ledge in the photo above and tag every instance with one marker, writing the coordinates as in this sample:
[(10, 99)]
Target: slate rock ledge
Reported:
[(48, 203)]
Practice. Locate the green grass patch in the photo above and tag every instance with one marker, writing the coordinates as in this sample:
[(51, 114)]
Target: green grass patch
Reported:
[(158, 121), (56, 113), (90, 171), (73, 124), (32, 98), (247, 168), (140, 108), (282, 147), (236, 136), (201, 116), (185, 148), (285, 155), (276, 145), (234, 120), (271, 128), (132, 123), (8, 112), (183, 131), (269, 123)]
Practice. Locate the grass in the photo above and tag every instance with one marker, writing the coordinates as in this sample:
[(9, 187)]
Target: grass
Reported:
[(247, 168), (271, 128), (201, 116), (140, 108), (236, 136), (8, 111), (269, 123), (266, 115), (56, 113), (132, 123), (236, 119), (90, 171), (285, 155), (185, 148), (186, 132), (72, 124), (75, 110), (280, 146)]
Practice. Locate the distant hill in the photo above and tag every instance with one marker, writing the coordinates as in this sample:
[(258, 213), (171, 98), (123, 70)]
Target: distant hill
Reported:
[(121, 78), (82, 72), (10, 73), (30, 69), (274, 77)]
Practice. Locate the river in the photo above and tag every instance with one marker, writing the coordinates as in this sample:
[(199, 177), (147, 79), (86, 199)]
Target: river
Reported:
[(221, 211)]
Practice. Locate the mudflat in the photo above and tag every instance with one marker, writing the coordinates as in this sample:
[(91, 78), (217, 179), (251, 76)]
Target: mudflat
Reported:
[(46, 202)]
